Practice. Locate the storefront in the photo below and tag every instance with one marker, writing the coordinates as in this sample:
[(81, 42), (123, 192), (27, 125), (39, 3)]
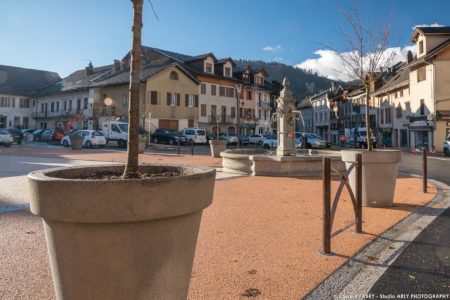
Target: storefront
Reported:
[(421, 133)]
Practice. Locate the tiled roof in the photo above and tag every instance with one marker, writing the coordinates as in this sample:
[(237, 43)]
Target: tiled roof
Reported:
[(21, 81), (398, 80), (78, 80), (434, 30)]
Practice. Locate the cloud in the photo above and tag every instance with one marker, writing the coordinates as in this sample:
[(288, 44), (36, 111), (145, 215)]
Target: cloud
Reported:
[(273, 49), (331, 65), (428, 25)]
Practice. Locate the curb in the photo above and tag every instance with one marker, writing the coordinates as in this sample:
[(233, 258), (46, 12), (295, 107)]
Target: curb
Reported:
[(355, 278)]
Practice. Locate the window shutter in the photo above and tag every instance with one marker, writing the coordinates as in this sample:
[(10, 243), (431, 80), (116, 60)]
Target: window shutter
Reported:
[(196, 100), (186, 100), (178, 99), (169, 97)]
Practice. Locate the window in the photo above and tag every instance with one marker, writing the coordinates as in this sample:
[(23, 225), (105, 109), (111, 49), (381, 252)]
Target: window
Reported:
[(196, 100), (24, 103), (25, 122), (208, 67), (399, 111), (213, 112), (420, 47), (221, 91), (173, 75), (52, 107), (78, 104), (154, 97), (249, 95), (421, 74), (189, 100), (5, 102), (57, 106), (86, 101), (213, 89), (13, 102), (227, 72), (203, 110), (65, 105), (396, 95), (233, 112), (401, 93), (408, 107), (125, 100), (203, 89), (171, 99), (422, 107), (70, 105), (230, 92)]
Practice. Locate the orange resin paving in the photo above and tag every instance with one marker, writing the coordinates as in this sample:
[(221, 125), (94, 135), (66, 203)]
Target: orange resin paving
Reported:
[(260, 233)]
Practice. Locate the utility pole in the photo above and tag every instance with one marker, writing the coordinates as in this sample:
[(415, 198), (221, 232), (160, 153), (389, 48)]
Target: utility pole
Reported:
[(238, 115)]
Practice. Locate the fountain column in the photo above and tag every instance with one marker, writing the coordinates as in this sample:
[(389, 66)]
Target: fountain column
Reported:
[(286, 121)]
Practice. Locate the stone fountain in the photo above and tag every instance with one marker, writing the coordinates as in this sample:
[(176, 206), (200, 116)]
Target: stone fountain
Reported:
[(286, 161)]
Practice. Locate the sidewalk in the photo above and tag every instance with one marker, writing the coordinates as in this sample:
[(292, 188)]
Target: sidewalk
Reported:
[(260, 235)]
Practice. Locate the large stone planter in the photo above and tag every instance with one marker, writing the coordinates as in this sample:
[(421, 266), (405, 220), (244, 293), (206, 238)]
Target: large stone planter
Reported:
[(121, 239), (217, 146), (76, 142), (379, 176)]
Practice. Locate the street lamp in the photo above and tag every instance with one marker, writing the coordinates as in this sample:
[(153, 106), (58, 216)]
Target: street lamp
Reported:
[(149, 125), (238, 112)]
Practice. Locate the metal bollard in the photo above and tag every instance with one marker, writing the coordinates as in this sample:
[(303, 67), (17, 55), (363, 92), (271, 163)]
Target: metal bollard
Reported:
[(192, 148), (359, 167), (425, 169), (178, 148), (326, 179)]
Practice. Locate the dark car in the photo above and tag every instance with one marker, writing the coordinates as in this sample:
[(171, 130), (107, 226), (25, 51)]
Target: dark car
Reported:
[(17, 135), (168, 136), (52, 135), (37, 134)]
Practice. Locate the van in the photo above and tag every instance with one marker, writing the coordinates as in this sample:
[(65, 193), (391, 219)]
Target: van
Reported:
[(195, 135), (116, 131)]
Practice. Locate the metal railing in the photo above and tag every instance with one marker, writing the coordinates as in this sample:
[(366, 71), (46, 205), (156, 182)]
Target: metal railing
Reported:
[(329, 209)]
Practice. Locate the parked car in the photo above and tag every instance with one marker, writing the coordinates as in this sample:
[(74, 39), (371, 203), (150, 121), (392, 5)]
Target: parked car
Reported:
[(52, 135), (244, 139), (37, 134), (230, 137), (270, 142), (168, 136), (194, 135), (6, 138), (90, 138), (17, 135), (256, 139), (447, 146)]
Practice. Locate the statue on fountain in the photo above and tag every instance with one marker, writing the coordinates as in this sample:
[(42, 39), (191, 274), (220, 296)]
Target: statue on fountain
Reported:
[(286, 115)]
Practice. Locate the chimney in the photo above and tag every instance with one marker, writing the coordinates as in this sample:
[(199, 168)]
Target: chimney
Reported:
[(89, 69), (409, 56), (117, 64)]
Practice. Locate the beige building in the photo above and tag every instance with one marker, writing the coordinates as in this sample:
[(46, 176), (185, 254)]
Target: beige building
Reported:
[(429, 84)]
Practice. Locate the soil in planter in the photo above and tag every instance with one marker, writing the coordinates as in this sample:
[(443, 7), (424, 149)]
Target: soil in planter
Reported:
[(116, 173)]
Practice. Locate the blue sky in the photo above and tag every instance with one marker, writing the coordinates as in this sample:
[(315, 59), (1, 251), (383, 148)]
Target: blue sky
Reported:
[(63, 36)]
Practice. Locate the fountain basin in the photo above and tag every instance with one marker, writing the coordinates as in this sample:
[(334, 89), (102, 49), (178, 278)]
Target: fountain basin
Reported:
[(306, 163)]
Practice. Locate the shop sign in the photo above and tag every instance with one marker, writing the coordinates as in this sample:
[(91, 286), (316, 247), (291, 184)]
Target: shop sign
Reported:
[(418, 124)]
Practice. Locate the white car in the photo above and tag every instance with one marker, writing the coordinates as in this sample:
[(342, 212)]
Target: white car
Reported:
[(271, 142), (91, 138), (6, 138), (447, 146), (194, 135), (230, 137), (256, 139)]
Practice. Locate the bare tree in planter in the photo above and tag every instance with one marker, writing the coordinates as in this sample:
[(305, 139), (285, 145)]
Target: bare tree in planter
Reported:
[(365, 52), (131, 167)]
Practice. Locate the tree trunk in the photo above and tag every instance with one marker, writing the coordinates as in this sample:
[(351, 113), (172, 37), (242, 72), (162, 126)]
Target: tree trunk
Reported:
[(133, 103), (368, 125)]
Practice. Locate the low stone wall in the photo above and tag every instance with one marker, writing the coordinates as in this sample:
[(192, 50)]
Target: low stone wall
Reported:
[(260, 163)]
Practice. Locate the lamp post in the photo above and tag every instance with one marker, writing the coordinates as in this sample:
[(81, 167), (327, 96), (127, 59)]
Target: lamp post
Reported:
[(149, 125), (238, 115)]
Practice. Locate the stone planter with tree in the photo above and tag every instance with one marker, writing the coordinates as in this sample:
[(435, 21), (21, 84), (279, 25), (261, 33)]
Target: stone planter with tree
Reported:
[(122, 234), (217, 146), (364, 58)]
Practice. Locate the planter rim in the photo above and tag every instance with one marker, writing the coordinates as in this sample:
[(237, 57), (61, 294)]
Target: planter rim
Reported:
[(119, 201), (374, 156)]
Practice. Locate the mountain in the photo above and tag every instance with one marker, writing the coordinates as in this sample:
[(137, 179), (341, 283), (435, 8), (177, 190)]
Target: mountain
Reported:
[(303, 83)]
